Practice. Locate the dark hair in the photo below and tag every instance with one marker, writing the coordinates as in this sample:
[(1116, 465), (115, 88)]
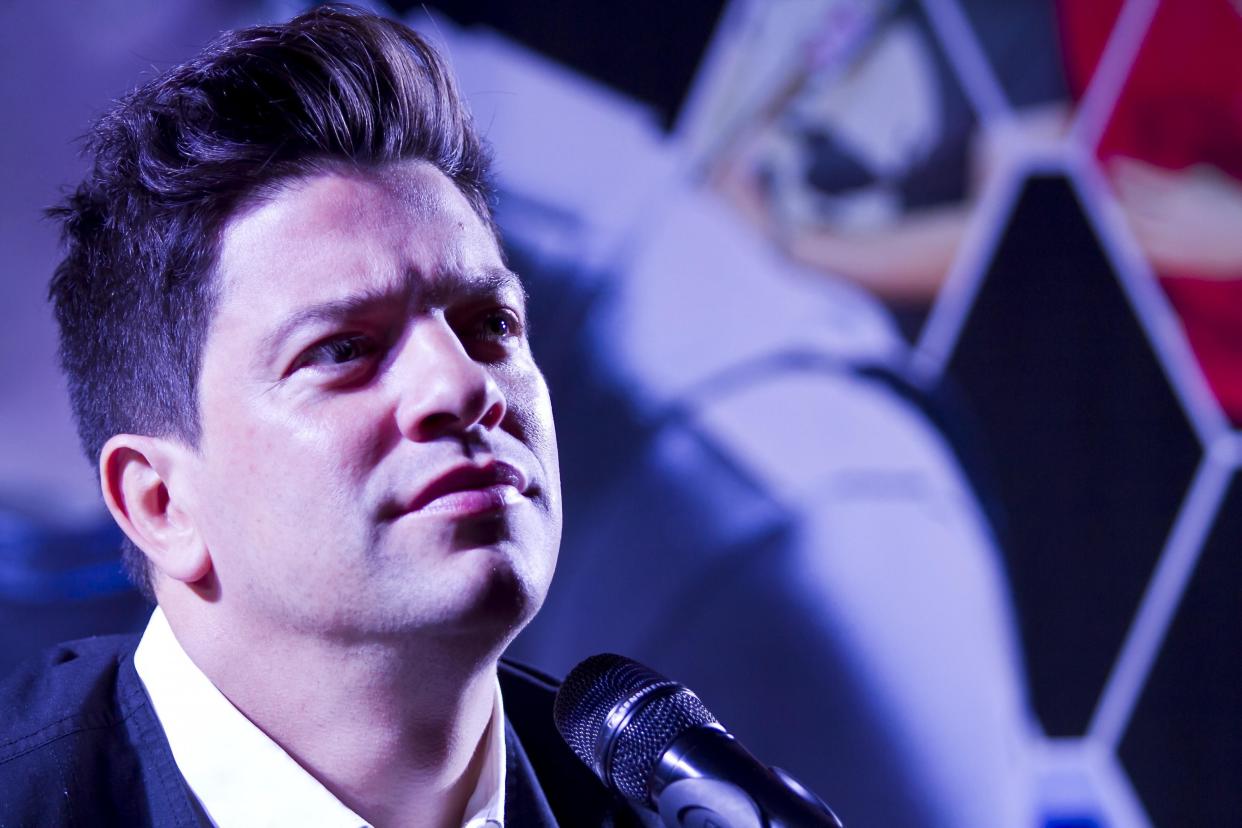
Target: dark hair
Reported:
[(177, 157)]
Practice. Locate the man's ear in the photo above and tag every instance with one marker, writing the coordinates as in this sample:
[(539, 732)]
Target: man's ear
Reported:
[(134, 473)]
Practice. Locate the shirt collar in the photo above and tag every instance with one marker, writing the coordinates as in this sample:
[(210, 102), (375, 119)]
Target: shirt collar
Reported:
[(240, 776)]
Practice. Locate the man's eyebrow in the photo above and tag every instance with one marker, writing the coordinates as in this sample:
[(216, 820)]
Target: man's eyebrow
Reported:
[(492, 280), (488, 281), (332, 310)]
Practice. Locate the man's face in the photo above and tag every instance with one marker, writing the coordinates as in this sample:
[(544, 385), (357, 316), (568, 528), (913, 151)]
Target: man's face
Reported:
[(377, 451)]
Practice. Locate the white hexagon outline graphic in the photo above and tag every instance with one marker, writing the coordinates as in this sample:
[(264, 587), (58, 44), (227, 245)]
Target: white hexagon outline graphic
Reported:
[(1093, 755)]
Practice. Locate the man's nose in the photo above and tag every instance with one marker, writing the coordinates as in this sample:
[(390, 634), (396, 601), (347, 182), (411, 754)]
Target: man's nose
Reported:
[(444, 390)]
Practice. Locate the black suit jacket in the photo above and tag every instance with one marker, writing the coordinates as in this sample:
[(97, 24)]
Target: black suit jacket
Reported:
[(80, 745)]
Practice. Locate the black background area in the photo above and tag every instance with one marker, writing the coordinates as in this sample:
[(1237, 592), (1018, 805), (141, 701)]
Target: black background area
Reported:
[(1183, 748), (1090, 450)]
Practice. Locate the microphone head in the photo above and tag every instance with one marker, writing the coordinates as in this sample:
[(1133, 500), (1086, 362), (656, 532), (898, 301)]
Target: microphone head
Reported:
[(619, 717)]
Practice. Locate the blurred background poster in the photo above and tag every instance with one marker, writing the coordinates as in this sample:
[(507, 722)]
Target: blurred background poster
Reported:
[(896, 350)]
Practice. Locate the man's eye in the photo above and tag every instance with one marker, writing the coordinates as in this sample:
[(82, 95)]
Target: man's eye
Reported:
[(499, 325), (338, 351)]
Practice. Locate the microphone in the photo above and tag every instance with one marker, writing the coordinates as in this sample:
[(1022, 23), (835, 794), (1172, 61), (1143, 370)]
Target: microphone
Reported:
[(651, 740)]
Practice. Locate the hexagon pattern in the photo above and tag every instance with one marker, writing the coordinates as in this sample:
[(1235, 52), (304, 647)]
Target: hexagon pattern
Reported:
[(1184, 742), (1083, 384), (1085, 508)]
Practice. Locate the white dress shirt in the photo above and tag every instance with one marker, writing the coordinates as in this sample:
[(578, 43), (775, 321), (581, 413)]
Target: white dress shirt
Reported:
[(243, 778)]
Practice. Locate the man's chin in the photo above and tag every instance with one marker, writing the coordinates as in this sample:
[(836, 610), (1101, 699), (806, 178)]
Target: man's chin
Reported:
[(496, 599)]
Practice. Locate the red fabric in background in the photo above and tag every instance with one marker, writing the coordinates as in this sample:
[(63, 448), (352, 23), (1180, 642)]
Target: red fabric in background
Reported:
[(1182, 105)]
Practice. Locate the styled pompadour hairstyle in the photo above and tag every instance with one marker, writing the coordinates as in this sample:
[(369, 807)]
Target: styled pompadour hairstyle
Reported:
[(180, 155)]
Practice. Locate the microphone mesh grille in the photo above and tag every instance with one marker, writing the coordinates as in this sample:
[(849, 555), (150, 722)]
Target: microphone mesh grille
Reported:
[(589, 692), (594, 688), (653, 729)]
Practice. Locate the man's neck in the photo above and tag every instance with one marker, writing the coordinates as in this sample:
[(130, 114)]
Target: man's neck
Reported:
[(395, 730)]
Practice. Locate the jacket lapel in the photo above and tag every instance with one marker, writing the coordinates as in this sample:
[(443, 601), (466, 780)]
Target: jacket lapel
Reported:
[(525, 804)]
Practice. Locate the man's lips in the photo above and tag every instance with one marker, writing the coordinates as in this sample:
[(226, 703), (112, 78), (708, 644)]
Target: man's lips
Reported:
[(470, 489)]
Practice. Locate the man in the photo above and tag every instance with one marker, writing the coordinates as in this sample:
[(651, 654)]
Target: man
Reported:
[(301, 364)]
